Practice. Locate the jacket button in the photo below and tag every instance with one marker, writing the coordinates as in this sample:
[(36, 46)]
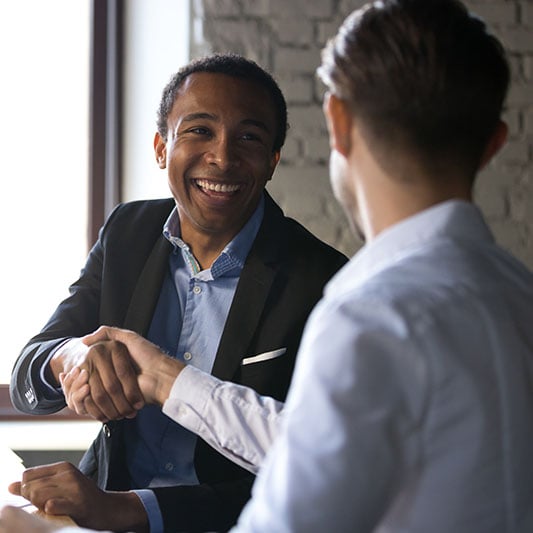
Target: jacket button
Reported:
[(106, 430)]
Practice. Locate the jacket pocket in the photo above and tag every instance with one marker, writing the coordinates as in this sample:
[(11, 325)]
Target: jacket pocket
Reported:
[(266, 356)]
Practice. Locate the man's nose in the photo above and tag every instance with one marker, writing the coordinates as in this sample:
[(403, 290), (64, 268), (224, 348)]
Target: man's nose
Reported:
[(223, 153)]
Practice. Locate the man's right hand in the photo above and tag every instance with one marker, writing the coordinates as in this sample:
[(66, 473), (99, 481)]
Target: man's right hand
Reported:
[(156, 370), (109, 373), (155, 374)]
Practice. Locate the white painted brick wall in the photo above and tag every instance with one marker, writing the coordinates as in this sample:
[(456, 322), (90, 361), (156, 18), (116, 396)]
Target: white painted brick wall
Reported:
[(286, 36)]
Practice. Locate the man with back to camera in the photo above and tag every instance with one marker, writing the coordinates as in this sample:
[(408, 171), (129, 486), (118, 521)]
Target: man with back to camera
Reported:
[(216, 276), (421, 419)]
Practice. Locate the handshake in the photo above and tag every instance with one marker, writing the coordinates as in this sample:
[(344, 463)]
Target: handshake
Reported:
[(112, 373)]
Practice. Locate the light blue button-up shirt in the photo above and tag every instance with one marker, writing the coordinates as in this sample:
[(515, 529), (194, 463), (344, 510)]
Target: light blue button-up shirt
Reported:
[(188, 322)]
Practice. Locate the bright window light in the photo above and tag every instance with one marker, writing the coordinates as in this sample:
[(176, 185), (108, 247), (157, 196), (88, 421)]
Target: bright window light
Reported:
[(44, 54)]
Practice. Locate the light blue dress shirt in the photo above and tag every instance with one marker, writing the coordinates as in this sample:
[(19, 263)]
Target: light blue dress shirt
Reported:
[(411, 406), (187, 324)]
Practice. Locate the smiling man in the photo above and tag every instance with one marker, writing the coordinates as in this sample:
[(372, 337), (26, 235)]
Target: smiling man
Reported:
[(216, 276)]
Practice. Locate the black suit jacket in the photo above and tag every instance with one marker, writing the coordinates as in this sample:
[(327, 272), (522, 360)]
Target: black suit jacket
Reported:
[(280, 283)]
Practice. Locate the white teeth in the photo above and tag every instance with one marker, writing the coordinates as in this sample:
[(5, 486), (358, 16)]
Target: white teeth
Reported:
[(217, 187)]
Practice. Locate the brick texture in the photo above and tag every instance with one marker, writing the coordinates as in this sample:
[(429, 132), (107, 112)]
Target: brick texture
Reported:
[(286, 36)]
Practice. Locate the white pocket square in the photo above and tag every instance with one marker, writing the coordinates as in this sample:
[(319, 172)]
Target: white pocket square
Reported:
[(263, 356)]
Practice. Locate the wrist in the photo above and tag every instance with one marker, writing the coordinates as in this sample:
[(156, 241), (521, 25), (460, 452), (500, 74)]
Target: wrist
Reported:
[(161, 378), (127, 513), (58, 361), (169, 371)]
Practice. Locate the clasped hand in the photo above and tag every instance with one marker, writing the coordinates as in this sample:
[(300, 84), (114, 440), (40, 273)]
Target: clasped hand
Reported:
[(112, 373)]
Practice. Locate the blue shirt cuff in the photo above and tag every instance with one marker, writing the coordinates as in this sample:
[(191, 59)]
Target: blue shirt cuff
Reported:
[(149, 500)]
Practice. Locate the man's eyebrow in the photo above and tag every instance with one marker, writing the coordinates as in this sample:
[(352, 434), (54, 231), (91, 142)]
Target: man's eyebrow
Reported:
[(258, 123), (197, 116), (208, 116)]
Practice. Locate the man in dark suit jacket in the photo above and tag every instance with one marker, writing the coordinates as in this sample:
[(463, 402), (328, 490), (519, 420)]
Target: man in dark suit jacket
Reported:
[(222, 123)]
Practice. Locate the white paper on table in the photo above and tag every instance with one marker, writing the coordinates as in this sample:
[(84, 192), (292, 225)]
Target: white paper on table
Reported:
[(11, 468)]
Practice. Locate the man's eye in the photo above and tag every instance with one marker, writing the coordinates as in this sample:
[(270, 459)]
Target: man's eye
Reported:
[(250, 137), (199, 131)]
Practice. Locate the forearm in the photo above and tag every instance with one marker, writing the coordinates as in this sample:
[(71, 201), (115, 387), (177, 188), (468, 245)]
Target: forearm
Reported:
[(233, 419)]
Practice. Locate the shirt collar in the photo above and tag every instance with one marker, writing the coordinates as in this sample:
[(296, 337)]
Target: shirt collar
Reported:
[(234, 254), (456, 219)]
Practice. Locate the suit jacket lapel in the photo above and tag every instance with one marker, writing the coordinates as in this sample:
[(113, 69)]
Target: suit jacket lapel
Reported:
[(148, 287), (252, 292), (248, 304)]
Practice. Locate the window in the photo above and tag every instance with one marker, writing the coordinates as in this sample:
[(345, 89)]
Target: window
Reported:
[(156, 45), (44, 95)]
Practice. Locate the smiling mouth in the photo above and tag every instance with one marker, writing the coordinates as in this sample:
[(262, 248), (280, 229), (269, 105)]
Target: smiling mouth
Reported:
[(214, 186)]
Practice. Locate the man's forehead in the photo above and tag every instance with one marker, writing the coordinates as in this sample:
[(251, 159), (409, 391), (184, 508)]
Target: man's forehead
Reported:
[(200, 80), (201, 90)]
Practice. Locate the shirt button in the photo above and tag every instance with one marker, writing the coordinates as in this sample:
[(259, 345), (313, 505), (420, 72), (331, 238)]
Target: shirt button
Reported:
[(169, 467), (197, 289), (187, 356)]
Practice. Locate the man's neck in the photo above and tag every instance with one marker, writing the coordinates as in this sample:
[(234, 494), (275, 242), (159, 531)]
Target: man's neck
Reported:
[(206, 247), (406, 202), (384, 200)]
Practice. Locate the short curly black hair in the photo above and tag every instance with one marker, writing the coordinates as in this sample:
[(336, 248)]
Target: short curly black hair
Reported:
[(232, 65)]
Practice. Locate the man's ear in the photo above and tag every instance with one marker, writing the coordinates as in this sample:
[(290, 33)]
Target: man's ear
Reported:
[(274, 160), (339, 122), (496, 141), (160, 150)]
